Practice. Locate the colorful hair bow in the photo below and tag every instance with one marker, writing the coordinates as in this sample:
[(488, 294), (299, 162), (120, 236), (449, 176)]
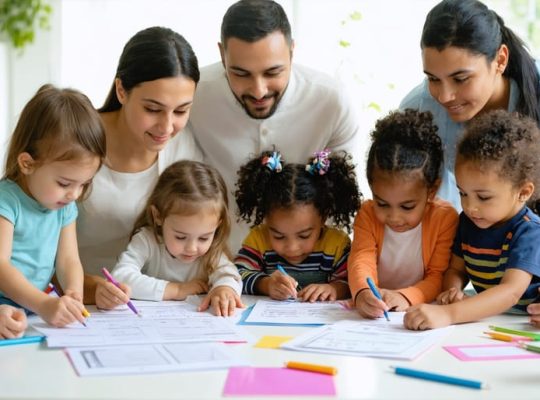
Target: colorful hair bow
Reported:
[(273, 162), (320, 163)]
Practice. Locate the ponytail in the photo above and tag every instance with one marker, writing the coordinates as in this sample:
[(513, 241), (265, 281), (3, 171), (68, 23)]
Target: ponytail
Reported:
[(522, 69)]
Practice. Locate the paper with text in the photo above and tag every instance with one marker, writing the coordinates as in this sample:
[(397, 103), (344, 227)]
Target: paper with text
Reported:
[(371, 338), (162, 322), (153, 358), (272, 312)]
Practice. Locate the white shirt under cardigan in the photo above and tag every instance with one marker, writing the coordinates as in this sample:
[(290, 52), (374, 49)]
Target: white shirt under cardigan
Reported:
[(401, 264), (107, 216), (147, 267), (314, 113)]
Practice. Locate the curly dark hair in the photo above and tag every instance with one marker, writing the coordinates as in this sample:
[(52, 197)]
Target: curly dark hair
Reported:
[(335, 194), (507, 141), (406, 141)]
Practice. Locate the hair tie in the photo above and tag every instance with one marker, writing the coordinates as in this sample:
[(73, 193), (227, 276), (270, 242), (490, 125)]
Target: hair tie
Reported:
[(273, 162), (320, 163)]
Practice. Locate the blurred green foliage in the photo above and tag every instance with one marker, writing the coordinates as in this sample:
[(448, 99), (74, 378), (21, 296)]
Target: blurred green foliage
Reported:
[(19, 20)]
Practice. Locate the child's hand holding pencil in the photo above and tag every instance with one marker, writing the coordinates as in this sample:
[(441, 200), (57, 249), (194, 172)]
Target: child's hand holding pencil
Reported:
[(281, 286), (109, 295)]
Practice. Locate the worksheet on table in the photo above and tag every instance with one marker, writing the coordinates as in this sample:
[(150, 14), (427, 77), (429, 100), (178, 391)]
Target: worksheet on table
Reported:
[(161, 322), (373, 338), (152, 358), (272, 312)]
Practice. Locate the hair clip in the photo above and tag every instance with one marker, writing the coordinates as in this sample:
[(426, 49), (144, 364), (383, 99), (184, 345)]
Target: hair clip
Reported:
[(320, 163), (273, 162)]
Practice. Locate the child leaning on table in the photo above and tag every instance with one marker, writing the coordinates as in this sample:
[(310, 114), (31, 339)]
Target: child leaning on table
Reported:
[(402, 237), (178, 246), (496, 245), (55, 151), (289, 205)]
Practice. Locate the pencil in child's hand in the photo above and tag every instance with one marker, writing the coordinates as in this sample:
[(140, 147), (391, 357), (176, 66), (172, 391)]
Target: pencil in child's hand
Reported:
[(52, 288), (110, 278)]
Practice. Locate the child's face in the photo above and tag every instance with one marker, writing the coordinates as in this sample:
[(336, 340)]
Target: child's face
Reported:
[(294, 231), (156, 111), (189, 237), (56, 184), (487, 199), (400, 199)]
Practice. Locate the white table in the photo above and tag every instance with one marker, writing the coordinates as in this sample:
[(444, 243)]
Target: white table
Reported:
[(34, 372)]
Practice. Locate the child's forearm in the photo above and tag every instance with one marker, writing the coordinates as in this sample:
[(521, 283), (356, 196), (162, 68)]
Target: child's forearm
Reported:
[(492, 301), (262, 286), (16, 287), (454, 279), (173, 291), (71, 277)]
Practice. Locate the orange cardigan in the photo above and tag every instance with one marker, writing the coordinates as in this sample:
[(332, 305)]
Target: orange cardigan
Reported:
[(438, 229)]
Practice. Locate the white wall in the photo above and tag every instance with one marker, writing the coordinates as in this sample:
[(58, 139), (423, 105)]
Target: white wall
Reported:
[(82, 48)]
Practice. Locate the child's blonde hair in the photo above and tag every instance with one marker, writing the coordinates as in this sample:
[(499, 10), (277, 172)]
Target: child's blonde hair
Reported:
[(56, 125), (183, 189)]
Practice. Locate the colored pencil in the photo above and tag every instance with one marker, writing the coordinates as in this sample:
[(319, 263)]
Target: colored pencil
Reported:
[(430, 376), (376, 293), (22, 340), (322, 369), (532, 335)]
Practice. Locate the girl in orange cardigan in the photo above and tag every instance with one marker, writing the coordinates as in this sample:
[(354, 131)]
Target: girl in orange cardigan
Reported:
[(402, 238)]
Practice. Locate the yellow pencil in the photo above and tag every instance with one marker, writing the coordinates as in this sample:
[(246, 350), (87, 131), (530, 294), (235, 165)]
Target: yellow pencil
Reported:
[(507, 338), (85, 313), (322, 369)]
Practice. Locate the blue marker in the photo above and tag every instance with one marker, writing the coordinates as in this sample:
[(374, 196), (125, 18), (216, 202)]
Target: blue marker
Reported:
[(439, 378), (22, 340), (376, 294), (280, 269)]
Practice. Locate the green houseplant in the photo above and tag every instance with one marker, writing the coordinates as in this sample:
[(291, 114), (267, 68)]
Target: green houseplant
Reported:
[(19, 20)]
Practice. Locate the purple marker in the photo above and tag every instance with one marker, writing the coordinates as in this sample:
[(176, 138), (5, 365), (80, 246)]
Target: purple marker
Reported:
[(115, 283)]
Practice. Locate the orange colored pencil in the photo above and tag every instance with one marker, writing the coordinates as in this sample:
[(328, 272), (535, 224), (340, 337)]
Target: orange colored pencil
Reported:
[(322, 369), (507, 338)]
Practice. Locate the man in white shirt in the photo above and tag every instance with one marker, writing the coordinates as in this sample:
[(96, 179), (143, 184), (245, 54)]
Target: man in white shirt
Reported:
[(255, 100)]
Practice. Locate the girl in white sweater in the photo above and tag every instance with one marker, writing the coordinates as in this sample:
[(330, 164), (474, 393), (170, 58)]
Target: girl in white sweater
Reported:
[(178, 246)]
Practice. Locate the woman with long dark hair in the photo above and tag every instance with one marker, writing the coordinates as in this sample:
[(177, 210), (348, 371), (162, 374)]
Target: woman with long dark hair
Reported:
[(146, 109), (473, 63)]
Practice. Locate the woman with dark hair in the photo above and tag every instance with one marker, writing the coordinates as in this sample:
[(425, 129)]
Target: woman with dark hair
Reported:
[(473, 64), (146, 109)]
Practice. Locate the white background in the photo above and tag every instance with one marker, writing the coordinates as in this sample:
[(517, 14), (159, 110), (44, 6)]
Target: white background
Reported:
[(82, 48)]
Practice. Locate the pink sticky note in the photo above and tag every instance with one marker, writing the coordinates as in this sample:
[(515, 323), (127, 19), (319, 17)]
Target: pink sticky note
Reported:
[(490, 352), (247, 381)]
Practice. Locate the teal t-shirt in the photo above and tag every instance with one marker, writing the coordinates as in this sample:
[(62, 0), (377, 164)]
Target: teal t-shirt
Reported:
[(36, 232)]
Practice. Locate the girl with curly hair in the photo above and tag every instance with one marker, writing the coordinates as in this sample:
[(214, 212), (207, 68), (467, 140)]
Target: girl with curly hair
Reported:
[(402, 237), (290, 250)]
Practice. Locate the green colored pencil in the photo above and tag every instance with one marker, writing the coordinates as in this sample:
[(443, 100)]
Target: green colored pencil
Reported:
[(533, 336)]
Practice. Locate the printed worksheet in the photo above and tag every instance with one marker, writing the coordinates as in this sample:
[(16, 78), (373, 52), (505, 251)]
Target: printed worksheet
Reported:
[(371, 338), (152, 358), (272, 312), (161, 322)]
